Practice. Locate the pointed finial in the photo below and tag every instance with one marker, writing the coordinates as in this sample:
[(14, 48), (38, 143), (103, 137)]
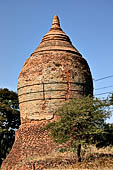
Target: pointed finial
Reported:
[(56, 22)]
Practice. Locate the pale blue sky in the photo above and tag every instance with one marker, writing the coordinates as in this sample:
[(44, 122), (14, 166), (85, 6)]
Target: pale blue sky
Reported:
[(88, 23)]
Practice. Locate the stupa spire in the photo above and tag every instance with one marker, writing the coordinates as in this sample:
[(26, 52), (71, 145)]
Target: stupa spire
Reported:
[(56, 38), (56, 22)]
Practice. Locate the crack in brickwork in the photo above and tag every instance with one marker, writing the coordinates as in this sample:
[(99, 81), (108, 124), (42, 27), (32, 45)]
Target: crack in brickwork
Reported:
[(49, 68)]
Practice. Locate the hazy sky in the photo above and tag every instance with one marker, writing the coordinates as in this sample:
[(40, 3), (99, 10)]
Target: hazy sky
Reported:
[(88, 23)]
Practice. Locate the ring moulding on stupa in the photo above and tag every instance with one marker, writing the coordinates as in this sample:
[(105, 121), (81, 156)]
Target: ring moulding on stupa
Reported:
[(55, 73)]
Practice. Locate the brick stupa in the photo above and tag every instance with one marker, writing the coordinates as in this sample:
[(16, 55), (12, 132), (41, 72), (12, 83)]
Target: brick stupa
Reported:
[(55, 73)]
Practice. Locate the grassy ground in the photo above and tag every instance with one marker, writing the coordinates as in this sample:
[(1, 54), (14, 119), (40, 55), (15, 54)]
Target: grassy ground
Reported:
[(93, 159)]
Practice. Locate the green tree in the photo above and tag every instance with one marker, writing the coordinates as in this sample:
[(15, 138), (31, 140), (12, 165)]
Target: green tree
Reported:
[(106, 139), (81, 121), (9, 120)]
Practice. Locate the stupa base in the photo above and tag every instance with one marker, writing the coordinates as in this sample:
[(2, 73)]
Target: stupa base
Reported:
[(32, 143)]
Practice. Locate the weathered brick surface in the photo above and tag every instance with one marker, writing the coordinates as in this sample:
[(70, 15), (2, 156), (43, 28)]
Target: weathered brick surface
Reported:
[(50, 76), (55, 73), (31, 143)]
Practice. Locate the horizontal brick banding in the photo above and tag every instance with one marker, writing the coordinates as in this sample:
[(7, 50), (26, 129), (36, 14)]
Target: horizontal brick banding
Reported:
[(48, 80)]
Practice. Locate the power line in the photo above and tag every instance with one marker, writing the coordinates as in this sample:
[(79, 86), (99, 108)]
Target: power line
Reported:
[(110, 92), (103, 87), (103, 78)]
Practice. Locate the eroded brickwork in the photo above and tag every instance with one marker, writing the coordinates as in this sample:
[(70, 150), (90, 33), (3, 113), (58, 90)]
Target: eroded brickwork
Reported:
[(32, 143), (54, 73), (56, 78)]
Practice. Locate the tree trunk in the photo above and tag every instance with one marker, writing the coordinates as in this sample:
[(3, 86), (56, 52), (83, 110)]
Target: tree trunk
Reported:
[(33, 165), (78, 152)]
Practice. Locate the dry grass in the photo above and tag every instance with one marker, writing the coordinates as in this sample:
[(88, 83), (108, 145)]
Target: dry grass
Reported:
[(93, 159), (72, 168)]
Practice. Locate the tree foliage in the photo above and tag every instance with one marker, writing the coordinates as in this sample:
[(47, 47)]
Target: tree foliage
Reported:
[(106, 139), (81, 121), (111, 99), (9, 120)]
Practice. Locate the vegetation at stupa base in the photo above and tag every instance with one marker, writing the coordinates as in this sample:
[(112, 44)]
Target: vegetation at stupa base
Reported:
[(82, 122)]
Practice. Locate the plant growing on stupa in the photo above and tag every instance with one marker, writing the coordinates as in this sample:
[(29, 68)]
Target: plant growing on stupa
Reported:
[(82, 122)]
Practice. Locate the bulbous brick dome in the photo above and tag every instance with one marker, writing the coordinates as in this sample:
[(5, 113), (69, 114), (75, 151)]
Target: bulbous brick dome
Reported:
[(54, 73)]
